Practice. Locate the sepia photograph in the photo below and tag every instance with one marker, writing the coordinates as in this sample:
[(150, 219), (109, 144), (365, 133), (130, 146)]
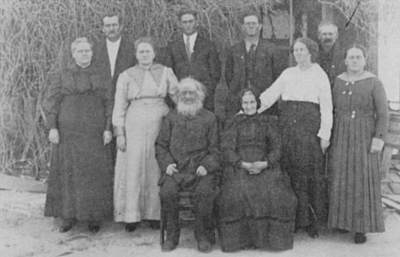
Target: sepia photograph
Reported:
[(199, 127)]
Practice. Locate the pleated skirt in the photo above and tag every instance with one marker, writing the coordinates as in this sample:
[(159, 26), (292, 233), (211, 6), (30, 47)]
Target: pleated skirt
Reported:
[(355, 190)]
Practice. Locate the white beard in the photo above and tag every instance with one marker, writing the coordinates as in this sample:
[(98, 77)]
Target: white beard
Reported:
[(189, 109)]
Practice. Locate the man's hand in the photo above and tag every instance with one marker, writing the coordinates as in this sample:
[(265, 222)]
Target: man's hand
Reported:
[(121, 143), (54, 137), (107, 137), (201, 171), (171, 169)]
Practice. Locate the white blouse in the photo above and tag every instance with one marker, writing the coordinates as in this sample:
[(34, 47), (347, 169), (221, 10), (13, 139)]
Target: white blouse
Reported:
[(310, 85)]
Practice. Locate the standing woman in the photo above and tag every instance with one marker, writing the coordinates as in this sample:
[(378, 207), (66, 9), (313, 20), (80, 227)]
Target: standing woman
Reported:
[(78, 107), (361, 123), (305, 123), (138, 110)]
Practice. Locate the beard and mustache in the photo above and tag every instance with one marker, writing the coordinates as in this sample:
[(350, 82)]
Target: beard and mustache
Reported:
[(189, 109)]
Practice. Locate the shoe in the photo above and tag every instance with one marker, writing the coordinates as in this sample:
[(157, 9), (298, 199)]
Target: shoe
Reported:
[(168, 246), (312, 231), (154, 224), (360, 238), (94, 227), (66, 225), (204, 246), (130, 227)]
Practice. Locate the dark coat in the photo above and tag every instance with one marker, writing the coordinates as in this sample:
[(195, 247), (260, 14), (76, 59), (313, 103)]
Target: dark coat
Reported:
[(333, 62), (189, 142), (125, 58), (265, 72), (204, 64)]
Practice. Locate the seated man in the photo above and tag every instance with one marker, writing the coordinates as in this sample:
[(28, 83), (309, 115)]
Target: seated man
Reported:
[(187, 152)]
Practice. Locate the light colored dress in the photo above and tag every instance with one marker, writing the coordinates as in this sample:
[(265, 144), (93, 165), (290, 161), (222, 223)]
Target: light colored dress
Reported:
[(138, 110)]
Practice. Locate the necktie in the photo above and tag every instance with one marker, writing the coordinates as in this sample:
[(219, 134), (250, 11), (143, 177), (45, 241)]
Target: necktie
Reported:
[(187, 47)]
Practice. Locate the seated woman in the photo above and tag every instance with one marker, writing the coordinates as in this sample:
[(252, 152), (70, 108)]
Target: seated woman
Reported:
[(257, 206)]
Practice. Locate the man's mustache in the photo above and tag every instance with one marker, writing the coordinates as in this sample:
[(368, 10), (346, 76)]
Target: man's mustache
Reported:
[(327, 40)]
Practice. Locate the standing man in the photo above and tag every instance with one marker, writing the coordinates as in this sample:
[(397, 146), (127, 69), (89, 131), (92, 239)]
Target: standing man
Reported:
[(192, 54), (249, 64), (114, 54), (330, 52)]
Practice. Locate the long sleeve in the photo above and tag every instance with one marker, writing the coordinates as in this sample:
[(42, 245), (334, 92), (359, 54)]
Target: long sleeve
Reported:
[(214, 64), (121, 104), (229, 145), (325, 108), (52, 100), (273, 93), (274, 139), (381, 110), (228, 68), (211, 161), (172, 83), (108, 101), (163, 155)]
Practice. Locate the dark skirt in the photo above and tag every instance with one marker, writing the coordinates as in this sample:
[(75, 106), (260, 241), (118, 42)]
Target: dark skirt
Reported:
[(302, 159), (80, 180), (256, 210), (355, 189)]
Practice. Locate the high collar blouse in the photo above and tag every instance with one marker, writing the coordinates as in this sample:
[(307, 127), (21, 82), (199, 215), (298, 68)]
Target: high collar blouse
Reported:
[(310, 85)]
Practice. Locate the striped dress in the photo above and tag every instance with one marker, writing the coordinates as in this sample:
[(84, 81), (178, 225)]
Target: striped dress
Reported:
[(360, 113)]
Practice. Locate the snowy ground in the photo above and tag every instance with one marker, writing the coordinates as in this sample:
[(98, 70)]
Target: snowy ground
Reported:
[(24, 232)]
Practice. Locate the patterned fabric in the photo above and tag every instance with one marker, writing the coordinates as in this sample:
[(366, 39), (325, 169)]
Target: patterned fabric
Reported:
[(361, 113)]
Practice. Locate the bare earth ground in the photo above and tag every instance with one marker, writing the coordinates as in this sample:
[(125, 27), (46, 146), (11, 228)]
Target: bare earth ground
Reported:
[(24, 232)]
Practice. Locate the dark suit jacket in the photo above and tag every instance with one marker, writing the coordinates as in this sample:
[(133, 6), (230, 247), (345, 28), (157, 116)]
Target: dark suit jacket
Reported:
[(125, 58), (265, 72), (334, 67), (204, 64)]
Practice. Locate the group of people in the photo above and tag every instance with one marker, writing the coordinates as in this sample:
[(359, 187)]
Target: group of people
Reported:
[(295, 150)]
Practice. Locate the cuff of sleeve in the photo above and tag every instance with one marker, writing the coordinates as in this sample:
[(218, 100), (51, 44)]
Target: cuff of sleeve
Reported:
[(108, 124), (119, 131)]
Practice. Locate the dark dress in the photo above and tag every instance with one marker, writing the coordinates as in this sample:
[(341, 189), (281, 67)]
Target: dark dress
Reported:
[(254, 210), (361, 113), (78, 104), (302, 159)]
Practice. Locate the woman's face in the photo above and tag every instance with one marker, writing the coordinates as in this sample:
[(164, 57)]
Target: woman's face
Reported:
[(83, 54), (301, 53), (145, 54), (355, 60), (249, 103)]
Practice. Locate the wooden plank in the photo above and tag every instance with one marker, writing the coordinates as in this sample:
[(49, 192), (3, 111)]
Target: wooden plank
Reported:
[(386, 161), (22, 184)]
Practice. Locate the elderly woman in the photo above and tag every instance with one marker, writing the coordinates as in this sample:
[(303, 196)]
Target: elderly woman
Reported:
[(361, 123), (78, 107), (305, 123), (257, 206), (138, 111)]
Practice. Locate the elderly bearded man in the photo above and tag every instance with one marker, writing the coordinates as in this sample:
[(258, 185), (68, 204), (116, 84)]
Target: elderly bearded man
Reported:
[(187, 152)]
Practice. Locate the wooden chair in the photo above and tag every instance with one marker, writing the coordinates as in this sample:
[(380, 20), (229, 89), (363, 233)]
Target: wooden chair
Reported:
[(186, 214)]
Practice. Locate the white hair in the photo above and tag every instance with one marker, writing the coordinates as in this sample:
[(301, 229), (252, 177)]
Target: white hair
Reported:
[(327, 24), (195, 85), (78, 41)]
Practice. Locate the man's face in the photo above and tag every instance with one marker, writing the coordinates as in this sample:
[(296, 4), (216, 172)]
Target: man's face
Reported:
[(328, 35), (188, 95), (251, 26), (188, 24), (111, 28)]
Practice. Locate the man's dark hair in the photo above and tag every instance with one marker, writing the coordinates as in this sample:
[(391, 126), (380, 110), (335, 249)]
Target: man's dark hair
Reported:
[(187, 11)]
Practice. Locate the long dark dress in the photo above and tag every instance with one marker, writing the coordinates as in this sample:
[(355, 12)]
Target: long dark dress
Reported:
[(80, 180), (254, 210), (361, 113), (302, 159)]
